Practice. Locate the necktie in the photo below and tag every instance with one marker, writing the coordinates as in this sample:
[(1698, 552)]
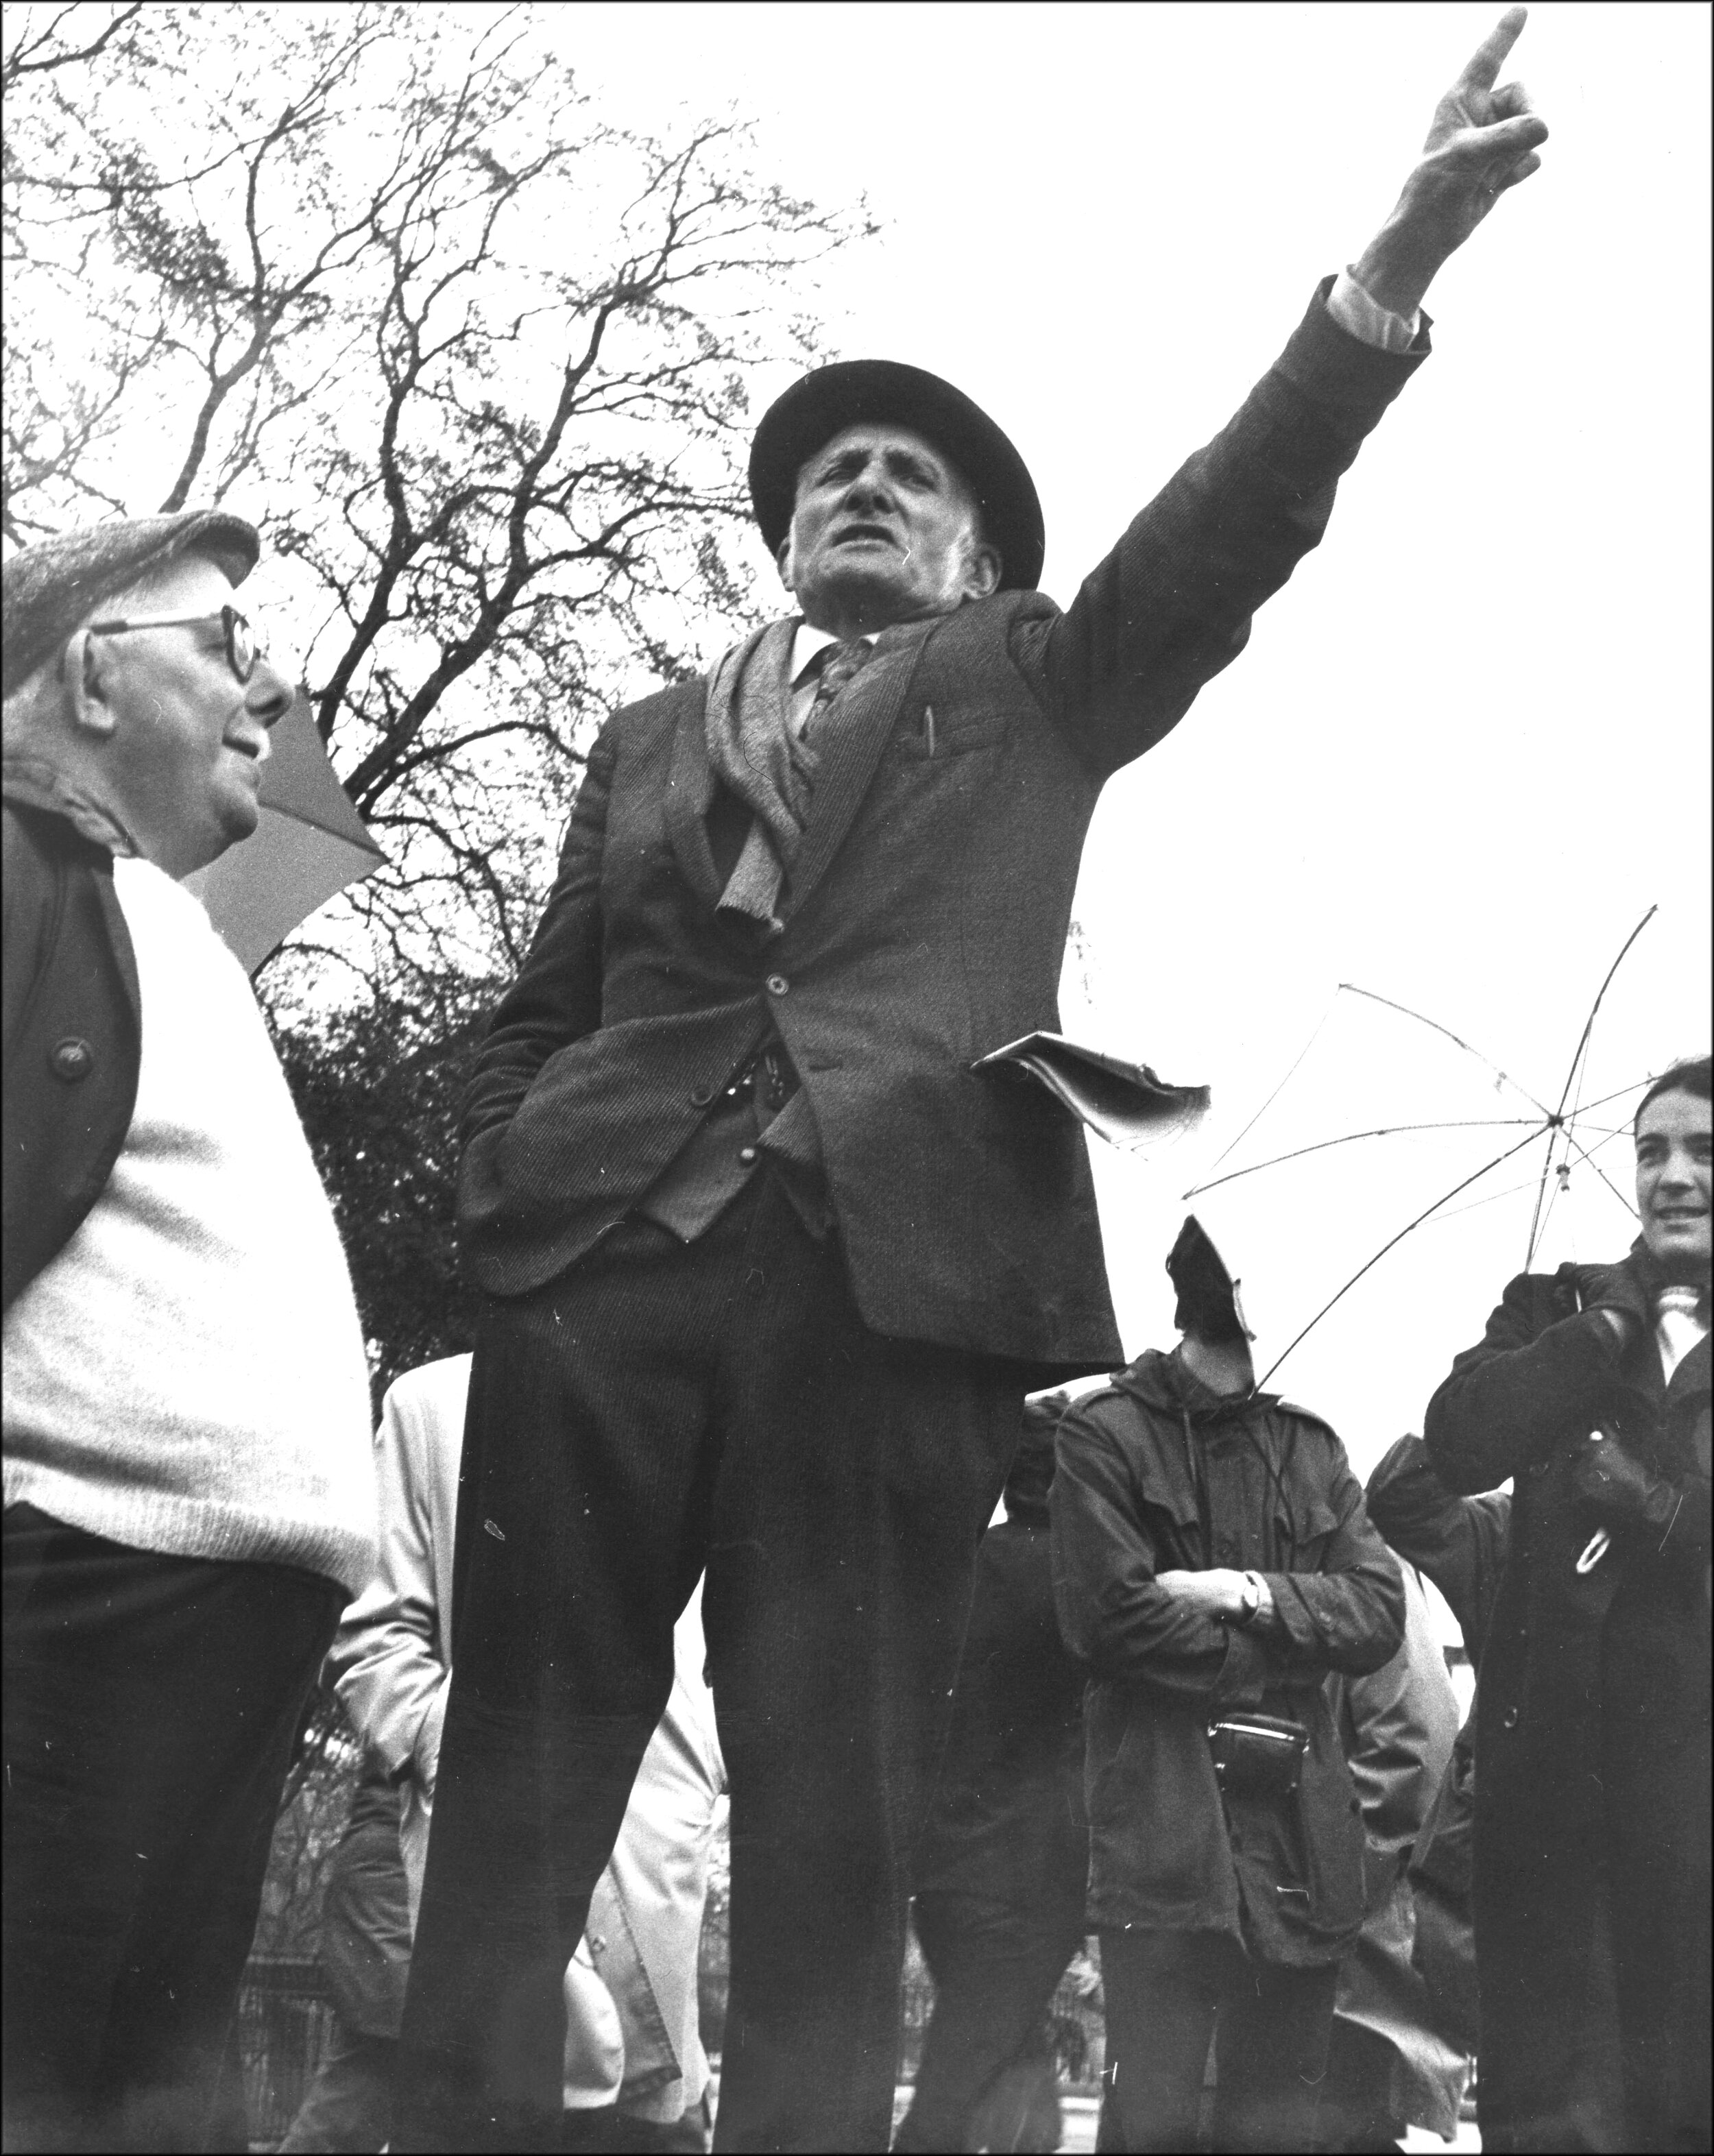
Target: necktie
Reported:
[(1683, 1321), (839, 662)]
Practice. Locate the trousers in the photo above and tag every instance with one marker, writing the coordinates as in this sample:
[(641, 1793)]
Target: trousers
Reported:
[(151, 1706), (658, 1413), (995, 1967), (1167, 1994)]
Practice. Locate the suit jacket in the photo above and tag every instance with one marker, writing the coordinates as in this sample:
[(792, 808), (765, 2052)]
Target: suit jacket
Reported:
[(925, 920)]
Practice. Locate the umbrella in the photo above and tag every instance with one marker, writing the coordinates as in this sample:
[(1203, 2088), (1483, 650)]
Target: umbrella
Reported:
[(310, 844), (1494, 1175)]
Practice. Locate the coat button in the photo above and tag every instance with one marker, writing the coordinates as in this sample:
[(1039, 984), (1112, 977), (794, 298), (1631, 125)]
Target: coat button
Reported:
[(71, 1059), (702, 1096), (746, 1154), (778, 984), (1509, 1719)]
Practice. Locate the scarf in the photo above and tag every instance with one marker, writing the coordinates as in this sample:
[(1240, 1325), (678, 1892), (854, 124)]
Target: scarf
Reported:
[(753, 748)]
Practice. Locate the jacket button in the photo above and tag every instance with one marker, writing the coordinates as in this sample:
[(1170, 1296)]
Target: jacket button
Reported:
[(702, 1096), (1509, 1719), (746, 1154), (778, 984), (71, 1059)]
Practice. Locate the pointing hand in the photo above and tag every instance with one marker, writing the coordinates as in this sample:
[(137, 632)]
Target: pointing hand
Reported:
[(1483, 142)]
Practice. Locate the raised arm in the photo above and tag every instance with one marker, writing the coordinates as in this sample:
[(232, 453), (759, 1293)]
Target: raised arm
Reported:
[(1171, 605)]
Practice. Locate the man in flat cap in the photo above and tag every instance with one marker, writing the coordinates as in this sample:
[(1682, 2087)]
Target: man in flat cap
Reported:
[(188, 1488), (1212, 1562), (769, 1267)]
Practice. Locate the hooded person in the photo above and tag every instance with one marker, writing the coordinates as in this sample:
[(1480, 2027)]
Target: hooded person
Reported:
[(768, 1266), (1213, 1562), (188, 1495)]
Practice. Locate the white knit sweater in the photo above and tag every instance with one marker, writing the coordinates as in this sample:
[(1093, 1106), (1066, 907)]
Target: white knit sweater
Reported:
[(188, 1375)]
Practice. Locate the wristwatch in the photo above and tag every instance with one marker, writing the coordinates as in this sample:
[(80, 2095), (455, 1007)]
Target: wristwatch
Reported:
[(1251, 1608)]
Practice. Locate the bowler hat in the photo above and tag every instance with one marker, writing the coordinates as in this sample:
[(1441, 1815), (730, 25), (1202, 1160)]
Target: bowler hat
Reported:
[(854, 392), (47, 590)]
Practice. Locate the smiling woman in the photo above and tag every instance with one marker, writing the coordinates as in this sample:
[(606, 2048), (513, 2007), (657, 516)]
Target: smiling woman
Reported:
[(1673, 1173), (1591, 1389)]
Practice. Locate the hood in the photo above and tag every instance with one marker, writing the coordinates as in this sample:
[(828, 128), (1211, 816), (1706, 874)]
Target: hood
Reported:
[(1161, 1381)]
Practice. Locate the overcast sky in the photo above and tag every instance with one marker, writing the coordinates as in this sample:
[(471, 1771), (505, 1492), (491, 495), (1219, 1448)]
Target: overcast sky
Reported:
[(1468, 746)]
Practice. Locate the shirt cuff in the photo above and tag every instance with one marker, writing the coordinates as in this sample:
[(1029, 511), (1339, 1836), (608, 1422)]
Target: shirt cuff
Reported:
[(1369, 323)]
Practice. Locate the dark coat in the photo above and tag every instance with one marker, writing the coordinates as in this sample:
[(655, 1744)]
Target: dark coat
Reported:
[(1008, 1825), (1460, 1543), (1592, 1744), (924, 922), (1166, 1851), (72, 1033)]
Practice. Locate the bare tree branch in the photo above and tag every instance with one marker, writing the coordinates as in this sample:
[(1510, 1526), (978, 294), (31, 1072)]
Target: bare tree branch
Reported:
[(477, 355), (22, 60)]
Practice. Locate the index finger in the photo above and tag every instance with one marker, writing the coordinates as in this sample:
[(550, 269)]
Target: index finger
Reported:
[(1489, 57)]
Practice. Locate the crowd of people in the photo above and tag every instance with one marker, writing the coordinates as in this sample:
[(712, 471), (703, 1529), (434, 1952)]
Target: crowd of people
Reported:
[(769, 1267)]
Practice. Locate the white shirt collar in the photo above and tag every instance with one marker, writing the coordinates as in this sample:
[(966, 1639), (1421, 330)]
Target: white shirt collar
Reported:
[(1679, 1326), (806, 643)]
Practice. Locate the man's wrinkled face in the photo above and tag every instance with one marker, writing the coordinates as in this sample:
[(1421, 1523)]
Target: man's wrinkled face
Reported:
[(885, 529), (183, 741), (1673, 1147)]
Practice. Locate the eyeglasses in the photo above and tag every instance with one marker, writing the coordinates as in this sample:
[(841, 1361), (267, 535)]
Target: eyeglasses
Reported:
[(244, 648)]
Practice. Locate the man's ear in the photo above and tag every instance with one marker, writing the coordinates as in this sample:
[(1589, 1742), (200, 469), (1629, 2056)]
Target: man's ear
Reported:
[(783, 562), (89, 671), (982, 571)]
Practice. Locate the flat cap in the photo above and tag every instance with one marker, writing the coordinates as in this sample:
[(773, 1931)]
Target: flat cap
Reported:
[(47, 590), (853, 392)]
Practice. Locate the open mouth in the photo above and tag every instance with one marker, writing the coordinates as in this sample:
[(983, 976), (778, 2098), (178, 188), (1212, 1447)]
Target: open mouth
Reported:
[(876, 532)]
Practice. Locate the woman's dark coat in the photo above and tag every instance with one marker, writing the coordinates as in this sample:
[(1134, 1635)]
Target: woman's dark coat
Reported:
[(1593, 1715), (1141, 1467)]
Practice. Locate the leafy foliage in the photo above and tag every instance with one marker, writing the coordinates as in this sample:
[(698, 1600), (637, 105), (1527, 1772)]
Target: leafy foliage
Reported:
[(378, 1088), (314, 1805)]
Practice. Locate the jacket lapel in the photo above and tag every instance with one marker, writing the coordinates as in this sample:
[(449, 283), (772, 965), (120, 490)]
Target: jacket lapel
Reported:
[(690, 788), (857, 728)]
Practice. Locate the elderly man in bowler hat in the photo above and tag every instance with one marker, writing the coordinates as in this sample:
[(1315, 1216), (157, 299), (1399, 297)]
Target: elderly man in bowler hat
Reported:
[(768, 1266), (189, 1494)]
